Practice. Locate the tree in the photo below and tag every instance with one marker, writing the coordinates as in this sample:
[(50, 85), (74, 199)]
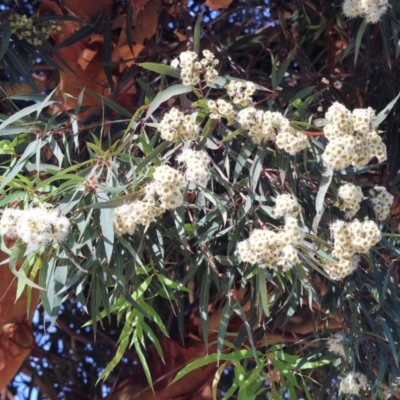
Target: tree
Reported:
[(202, 199)]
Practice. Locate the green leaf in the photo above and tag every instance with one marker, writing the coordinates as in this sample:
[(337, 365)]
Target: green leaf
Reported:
[(360, 34), (5, 38), (384, 113), (263, 291), (326, 180), (283, 69), (23, 113), (165, 95), (161, 69), (31, 149), (107, 229), (203, 306), (196, 35), (84, 32), (110, 103), (212, 358), (223, 326)]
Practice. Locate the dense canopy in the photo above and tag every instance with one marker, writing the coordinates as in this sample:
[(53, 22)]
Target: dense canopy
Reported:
[(200, 200)]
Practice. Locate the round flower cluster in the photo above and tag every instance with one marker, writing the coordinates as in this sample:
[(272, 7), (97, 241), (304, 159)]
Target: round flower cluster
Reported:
[(382, 202), (353, 382), (284, 205), (350, 238), (338, 270), (241, 92), (351, 196), (271, 126), (175, 124), (191, 68), (291, 141), (271, 248), (370, 10), (196, 166), (162, 194), (35, 227), (135, 213), (23, 27), (221, 108), (352, 138), (334, 345), (354, 237)]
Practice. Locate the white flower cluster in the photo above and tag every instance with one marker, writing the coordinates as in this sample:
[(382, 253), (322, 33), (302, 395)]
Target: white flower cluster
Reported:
[(191, 68), (350, 238), (351, 196), (271, 126), (175, 125), (271, 248), (370, 10), (285, 205), (352, 138), (221, 108), (241, 92), (334, 345), (382, 202), (162, 194), (35, 227), (196, 166), (353, 382), (136, 213)]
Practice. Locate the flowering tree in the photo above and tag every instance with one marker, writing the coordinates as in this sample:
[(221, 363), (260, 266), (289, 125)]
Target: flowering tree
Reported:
[(201, 216)]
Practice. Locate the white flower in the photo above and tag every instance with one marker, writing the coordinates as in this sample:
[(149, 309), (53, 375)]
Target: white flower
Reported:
[(221, 109), (370, 10), (192, 69), (340, 269), (353, 382), (162, 194), (271, 248), (352, 138), (382, 202), (36, 226), (284, 205), (291, 141), (351, 196), (196, 166), (241, 92), (175, 125), (334, 346)]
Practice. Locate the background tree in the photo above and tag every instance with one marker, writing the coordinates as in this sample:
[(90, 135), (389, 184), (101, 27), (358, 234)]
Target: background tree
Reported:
[(132, 292)]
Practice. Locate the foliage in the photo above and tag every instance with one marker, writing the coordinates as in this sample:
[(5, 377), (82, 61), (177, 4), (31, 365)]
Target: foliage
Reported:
[(87, 153)]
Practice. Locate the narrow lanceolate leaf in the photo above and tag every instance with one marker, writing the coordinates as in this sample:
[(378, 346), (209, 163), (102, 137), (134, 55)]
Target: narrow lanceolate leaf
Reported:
[(107, 228), (263, 295), (23, 113), (384, 113), (84, 32), (212, 358), (5, 38), (326, 180), (223, 326), (360, 34), (204, 299), (165, 95), (110, 103), (196, 35), (31, 149), (161, 69)]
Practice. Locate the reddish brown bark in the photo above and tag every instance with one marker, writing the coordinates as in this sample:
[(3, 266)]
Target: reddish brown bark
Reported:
[(16, 337)]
